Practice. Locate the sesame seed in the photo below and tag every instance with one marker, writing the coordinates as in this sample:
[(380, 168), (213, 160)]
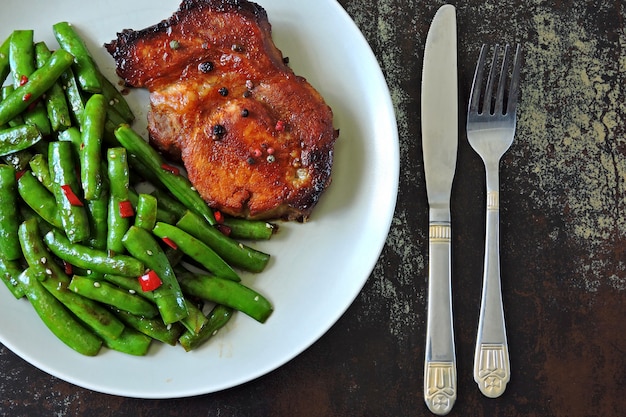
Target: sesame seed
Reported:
[(149, 252), (96, 284)]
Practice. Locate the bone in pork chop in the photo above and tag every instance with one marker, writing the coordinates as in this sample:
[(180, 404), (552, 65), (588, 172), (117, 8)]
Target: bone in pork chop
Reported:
[(256, 139)]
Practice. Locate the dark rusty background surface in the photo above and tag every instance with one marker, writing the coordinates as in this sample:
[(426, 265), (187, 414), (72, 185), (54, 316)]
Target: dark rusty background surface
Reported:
[(563, 233)]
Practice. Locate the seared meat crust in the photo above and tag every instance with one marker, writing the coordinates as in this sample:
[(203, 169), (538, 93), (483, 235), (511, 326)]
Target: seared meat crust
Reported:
[(256, 139)]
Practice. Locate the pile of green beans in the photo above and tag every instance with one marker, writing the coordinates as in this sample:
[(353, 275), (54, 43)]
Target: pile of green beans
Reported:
[(102, 263)]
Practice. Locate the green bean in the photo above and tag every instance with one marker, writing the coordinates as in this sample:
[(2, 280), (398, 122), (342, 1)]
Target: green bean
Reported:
[(193, 322), (9, 272), (18, 138), (92, 259), (87, 73), (196, 250), (38, 198), (119, 183), (154, 328), (21, 55), (106, 293), (162, 214), (18, 160), (95, 316), (5, 68), (63, 173), (35, 253), (116, 100), (130, 342), (98, 212), (131, 285), (168, 297), (38, 83), (18, 119), (116, 120), (72, 135), (250, 229), (56, 103), (168, 203), (26, 213), (233, 252), (41, 170), (92, 129), (73, 95), (196, 319), (58, 319), (56, 282), (22, 61), (218, 317), (146, 211), (9, 219), (228, 293), (178, 185)]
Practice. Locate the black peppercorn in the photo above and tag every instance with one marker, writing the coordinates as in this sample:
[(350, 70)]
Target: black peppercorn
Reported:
[(223, 91), (218, 131), (205, 66)]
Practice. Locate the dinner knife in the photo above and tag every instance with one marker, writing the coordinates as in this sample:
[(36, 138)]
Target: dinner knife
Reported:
[(439, 145)]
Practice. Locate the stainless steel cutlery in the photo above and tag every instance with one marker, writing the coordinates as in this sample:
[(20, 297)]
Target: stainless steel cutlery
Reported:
[(491, 121)]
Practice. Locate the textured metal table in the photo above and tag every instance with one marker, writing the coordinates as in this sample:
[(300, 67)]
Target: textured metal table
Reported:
[(563, 240)]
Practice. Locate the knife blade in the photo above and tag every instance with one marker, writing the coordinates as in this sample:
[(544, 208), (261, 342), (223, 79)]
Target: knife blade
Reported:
[(439, 144)]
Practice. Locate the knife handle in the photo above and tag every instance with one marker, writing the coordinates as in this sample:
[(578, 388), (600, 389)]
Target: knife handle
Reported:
[(440, 361), (491, 359)]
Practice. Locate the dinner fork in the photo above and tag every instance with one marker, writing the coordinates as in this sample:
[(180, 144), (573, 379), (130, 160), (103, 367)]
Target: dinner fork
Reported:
[(490, 131)]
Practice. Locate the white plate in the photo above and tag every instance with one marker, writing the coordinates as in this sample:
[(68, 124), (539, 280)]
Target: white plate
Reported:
[(317, 269)]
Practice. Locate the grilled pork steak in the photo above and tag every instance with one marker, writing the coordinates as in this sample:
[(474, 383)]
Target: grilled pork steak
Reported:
[(256, 139)]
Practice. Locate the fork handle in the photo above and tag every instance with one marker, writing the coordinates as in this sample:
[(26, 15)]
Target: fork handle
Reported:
[(491, 359), (440, 387)]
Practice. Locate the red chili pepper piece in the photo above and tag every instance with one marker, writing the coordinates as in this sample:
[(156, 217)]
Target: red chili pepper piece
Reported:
[(219, 217), (280, 126), (170, 168), (23, 79), (69, 269), (18, 174), (150, 281), (27, 97), (71, 197), (126, 209), (225, 230), (169, 242)]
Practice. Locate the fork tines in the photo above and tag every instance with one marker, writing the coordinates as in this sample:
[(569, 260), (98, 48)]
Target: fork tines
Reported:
[(490, 103)]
